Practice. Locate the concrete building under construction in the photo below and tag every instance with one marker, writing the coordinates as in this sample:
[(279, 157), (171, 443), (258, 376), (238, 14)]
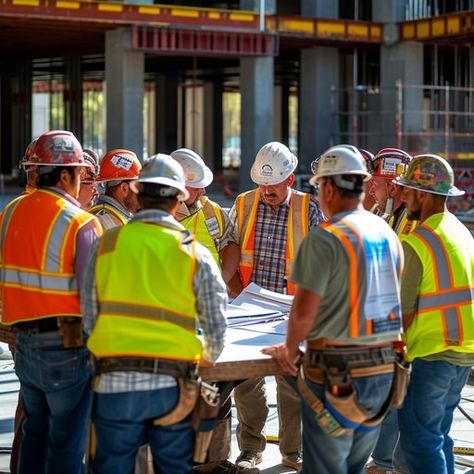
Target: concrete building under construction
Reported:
[(225, 77)]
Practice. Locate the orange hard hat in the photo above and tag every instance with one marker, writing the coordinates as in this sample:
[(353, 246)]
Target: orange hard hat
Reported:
[(119, 165), (57, 148)]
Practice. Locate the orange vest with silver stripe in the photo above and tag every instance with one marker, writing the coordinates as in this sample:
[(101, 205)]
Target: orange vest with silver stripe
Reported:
[(297, 228), (38, 241), (348, 234), (444, 319)]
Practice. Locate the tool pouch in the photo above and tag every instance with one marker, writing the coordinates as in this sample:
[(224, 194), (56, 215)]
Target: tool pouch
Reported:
[(70, 329), (401, 378), (188, 396), (204, 420)]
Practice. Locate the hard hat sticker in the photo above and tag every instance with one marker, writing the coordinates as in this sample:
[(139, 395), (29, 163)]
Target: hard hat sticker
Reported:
[(389, 165), (267, 171), (121, 161), (63, 145)]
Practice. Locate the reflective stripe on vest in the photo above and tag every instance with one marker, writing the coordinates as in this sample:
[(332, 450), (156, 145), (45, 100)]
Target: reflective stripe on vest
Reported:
[(297, 228), (97, 209), (144, 280), (350, 238), (444, 316), (40, 281), (401, 225)]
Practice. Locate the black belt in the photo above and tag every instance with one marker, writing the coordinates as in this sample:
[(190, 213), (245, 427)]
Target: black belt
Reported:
[(343, 359), (151, 366), (40, 325)]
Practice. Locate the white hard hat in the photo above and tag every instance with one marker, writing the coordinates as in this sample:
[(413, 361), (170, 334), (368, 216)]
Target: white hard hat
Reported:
[(273, 164), (197, 174), (340, 160), (162, 169)]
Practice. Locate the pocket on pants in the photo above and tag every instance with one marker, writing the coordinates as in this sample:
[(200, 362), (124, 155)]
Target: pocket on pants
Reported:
[(60, 369)]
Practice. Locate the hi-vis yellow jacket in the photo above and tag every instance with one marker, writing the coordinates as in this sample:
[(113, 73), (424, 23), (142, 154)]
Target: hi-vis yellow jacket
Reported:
[(444, 319), (297, 228), (153, 313), (207, 224)]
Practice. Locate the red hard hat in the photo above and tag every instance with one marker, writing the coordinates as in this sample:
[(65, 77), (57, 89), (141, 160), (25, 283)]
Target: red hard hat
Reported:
[(119, 165), (57, 148), (26, 162), (390, 163)]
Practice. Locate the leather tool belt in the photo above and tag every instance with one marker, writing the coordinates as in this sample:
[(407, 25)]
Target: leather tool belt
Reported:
[(335, 367), (196, 398), (69, 327)]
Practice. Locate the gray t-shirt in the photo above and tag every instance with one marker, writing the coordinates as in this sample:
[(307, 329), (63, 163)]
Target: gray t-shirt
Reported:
[(322, 267)]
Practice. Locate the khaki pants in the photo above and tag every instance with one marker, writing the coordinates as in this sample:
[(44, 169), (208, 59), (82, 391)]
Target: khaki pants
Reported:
[(252, 410)]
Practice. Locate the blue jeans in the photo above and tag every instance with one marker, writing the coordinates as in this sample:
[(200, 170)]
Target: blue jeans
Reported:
[(324, 454), (56, 391), (427, 413), (123, 422), (388, 438)]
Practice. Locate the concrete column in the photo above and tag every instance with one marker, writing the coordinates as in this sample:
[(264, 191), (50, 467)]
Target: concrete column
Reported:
[(256, 87), (319, 8), (401, 62), (166, 107), (73, 96), (318, 75), (124, 75), (213, 125)]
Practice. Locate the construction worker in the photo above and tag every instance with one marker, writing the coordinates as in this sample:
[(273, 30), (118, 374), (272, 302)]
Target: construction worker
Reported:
[(208, 222), (148, 285), (438, 314), (203, 217), (88, 190), (389, 163), (269, 223), (118, 204), (347, 311), (44, 242)]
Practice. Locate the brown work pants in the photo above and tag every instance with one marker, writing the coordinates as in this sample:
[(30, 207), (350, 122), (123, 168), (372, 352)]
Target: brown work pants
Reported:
[(252, 410)]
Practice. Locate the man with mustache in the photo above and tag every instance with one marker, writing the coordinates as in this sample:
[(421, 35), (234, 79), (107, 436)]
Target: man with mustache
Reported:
[(269, 223)]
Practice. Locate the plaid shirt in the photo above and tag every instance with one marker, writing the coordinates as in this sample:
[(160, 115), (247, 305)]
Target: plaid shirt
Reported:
[(211, 301), (270, 241)]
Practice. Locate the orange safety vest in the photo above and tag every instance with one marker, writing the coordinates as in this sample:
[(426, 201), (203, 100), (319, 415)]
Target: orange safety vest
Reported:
[(38, 242), (297, 228), (349, 237)]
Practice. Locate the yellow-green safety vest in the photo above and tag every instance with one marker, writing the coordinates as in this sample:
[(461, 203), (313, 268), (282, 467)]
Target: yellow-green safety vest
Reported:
[(144, 279), (207, 224), (444, 319)]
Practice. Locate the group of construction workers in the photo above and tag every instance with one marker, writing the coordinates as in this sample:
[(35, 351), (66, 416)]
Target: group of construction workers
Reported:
[(118, 297)]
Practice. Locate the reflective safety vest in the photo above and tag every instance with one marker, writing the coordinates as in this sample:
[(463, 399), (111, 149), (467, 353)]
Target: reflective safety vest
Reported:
[(297, 228), (386, 257), (104, 209), (444, 318), (144, 279), (207, 225), (38, 234), (401, 224)]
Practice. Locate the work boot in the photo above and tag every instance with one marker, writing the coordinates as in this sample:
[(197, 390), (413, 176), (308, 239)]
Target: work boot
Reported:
[(224, 467), (293, 460), (247, 460), (373, 468)]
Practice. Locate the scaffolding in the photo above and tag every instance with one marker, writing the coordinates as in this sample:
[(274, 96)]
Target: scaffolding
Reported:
[(416, 118)]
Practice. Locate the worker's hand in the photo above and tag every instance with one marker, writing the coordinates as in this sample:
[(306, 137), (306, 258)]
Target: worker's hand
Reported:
[(287, 361), (205, 363)]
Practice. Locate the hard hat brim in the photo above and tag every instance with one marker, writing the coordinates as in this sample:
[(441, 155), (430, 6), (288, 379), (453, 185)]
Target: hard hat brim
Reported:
[(314, 179), (453, 192), (204, 182), (183, 195)]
